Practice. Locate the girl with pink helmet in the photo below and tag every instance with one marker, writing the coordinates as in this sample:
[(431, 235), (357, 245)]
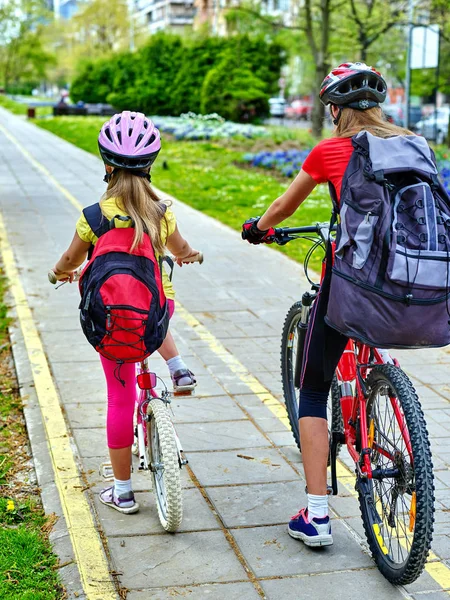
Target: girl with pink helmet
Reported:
[(129, 144)]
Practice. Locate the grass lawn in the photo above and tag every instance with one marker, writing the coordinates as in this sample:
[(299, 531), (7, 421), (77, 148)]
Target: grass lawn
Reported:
[(18, 108), (205, 175), (28, 569)]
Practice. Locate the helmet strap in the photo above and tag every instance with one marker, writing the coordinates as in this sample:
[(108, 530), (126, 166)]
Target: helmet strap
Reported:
[(143, 174), (338, 116)]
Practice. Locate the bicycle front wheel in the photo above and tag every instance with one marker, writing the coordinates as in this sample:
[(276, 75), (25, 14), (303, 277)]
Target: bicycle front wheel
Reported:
[(164, 465), (397, 505), (292, 342)]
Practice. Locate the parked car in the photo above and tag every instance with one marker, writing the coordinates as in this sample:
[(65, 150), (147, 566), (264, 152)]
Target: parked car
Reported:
[(395, 113), (435, 127), (277, 107), (299, 109)]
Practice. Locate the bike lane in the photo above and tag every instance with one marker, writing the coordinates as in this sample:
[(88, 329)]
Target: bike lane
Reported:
[(246, 474)]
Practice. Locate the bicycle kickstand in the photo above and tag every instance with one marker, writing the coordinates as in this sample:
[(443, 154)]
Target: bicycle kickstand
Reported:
[(337, 437)]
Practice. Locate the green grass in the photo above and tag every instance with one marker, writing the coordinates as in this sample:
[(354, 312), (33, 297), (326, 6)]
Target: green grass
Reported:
[(18, 108), (28, 568), (205, 176)]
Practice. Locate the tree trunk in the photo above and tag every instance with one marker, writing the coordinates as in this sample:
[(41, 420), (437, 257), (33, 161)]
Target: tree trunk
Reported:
[(318, 108)]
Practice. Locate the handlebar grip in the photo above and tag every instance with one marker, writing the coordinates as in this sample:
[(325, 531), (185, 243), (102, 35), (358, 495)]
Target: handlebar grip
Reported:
[(197, 258), (52, 277)]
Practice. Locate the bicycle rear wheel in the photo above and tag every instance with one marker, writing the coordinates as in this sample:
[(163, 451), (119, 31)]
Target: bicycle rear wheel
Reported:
[(291, 359), (164, 465), (397, 505)]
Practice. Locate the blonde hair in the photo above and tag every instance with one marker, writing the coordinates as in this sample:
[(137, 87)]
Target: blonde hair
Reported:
[(139, 201), (353, 121)]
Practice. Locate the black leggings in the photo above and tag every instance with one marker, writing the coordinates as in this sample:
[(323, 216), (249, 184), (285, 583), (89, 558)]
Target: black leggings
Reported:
[(323, 349)]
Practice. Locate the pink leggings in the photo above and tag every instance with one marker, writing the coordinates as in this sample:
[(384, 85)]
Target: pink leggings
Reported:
[(122, 400)]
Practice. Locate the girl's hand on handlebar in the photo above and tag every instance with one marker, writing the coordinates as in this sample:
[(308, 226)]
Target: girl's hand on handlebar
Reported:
[(60, 276), (54, 276), (193, 256)]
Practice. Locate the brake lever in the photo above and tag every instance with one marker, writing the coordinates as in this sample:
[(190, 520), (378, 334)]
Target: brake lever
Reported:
[(283, 239)]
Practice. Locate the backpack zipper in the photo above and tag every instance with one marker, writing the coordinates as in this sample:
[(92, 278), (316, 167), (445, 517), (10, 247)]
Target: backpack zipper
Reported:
[(127, 307), (360, 211)]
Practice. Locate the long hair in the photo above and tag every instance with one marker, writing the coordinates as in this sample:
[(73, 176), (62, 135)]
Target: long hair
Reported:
[(140, 202), (372, 120)]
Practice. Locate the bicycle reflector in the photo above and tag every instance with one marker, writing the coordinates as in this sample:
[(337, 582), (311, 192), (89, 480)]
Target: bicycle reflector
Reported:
[(146, 381)]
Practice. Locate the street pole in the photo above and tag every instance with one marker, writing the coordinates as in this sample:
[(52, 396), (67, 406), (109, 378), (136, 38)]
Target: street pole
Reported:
[(437, 85), (408, 61)]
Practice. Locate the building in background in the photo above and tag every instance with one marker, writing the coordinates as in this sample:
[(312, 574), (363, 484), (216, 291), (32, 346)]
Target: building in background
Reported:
[(212, 12), (156, 15)]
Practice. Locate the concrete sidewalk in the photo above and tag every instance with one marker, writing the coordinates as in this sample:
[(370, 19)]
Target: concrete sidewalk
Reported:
[(247, 474)]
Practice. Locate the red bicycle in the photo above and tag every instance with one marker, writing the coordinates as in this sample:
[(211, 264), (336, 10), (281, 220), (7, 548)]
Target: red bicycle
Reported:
[(375, 411)]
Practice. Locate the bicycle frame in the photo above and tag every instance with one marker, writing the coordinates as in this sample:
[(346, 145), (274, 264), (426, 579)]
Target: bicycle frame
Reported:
[(147, 381), (352, 370)]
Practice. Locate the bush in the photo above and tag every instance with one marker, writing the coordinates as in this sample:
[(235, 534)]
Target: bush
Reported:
[(234, 92), (173, 75), (94, 81)]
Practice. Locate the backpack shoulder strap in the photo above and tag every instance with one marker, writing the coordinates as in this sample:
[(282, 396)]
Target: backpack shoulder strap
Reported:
[(95, 219)]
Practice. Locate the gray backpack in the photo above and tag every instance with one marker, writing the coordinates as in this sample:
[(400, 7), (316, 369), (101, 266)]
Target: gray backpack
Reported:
[(390, 283)]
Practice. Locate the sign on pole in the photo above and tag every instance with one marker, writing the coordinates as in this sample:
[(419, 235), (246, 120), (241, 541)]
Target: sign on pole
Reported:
[(425, 47)]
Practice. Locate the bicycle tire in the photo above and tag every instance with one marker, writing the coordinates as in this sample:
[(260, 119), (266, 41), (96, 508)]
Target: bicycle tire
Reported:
[(290, 391), (417, 479), (164, 465)]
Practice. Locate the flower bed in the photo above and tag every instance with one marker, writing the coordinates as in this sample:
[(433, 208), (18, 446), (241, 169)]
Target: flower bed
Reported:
[(190, 126), (288, 162), (443, 163)]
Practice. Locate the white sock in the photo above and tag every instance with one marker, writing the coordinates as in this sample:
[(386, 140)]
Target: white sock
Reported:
[(317, 506), (122, 487), (175, 364)]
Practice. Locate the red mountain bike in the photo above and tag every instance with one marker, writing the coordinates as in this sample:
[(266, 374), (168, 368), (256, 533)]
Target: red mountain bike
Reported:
[(375, 411)]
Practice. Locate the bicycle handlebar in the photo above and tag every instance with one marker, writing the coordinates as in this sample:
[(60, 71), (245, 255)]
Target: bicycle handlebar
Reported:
[(197, 258), (53, 279), (283, 235)]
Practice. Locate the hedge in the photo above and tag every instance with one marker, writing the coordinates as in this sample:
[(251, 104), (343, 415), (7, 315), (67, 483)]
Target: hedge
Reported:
[(171, 75)]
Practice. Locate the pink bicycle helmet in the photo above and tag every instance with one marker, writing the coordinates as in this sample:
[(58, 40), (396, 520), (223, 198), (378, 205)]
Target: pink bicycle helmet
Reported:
[(129, 140)]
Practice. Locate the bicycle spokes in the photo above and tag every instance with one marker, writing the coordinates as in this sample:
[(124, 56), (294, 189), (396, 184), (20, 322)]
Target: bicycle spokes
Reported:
[(393, 485)]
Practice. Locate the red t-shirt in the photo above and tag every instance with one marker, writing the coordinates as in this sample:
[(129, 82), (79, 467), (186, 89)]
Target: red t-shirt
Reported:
[(328, 161)]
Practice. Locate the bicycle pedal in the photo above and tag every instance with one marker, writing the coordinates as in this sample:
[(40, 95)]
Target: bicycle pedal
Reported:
[(105, 471), (178, 393)]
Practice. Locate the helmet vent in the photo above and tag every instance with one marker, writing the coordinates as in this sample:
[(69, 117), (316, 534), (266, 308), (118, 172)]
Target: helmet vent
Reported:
[(151, 140), (145, 124), (130, 132), (118, 120), (119, 136), (108, 134), (139, 139)]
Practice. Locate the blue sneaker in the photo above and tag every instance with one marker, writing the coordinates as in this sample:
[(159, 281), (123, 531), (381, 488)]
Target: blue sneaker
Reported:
[(316, 532)]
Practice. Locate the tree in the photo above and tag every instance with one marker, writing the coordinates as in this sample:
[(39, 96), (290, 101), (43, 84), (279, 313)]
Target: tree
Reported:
[(102, 26), (373, 19), (23, 59)]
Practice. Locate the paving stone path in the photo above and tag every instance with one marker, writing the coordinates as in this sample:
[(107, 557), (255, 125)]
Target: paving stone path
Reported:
[(233, 542)]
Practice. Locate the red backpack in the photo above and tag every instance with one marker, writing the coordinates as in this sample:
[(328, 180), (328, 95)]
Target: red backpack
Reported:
[(123, 308)]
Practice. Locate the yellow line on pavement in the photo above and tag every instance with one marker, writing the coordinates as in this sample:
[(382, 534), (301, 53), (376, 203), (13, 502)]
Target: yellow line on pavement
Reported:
[(40, 167), (89, 554), (437, 569)]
